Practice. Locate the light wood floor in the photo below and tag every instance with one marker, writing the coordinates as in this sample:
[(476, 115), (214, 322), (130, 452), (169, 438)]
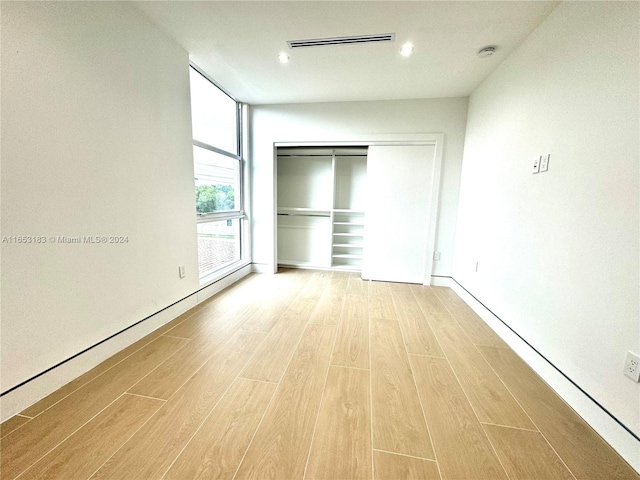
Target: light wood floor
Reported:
[(311, 375)]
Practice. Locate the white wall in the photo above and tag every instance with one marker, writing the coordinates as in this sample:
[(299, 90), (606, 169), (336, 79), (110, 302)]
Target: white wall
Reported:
[(96, 140), (325, 122), (558, 251)]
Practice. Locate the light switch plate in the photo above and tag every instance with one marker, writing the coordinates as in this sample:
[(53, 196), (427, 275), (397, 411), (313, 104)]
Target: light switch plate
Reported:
[(536, 165), (544, 162)]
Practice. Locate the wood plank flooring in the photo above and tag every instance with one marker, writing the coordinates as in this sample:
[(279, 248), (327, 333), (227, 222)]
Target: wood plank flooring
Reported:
[(310, 375), (342, 443)]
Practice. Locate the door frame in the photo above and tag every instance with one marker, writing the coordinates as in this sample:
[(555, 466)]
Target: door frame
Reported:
[(434, 139)]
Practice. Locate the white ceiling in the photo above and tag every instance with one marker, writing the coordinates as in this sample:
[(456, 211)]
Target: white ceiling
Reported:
[(237, 43)]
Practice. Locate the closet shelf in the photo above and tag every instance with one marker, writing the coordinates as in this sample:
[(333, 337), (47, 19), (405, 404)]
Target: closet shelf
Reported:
[(303, 211), (347, 210), (357, 224), (346, 255), (348, 245), (348, 234)]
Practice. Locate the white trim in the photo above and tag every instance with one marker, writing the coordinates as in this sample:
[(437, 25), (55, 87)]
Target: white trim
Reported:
[(619, 439), (217, 150), (441, 281), (366, 140), (274, 257), (246, 231), (261, 268), (218, 216), (435, 139), (434, 206)]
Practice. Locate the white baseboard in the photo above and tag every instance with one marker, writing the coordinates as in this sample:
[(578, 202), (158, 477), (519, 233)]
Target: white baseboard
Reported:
[(441, 281), (261, 268), (17, 400), (600, 421)]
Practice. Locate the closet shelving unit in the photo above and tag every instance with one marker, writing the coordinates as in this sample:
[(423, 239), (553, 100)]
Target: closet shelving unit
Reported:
[(321, 197), (347, 216), (348, 239)]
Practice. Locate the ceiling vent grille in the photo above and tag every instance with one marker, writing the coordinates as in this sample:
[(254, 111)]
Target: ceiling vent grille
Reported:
[(319, 42)]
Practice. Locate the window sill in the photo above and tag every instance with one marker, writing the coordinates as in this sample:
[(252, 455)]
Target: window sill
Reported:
[(213, 277)]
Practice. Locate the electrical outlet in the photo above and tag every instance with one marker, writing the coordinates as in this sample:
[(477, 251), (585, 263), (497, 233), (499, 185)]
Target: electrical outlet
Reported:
[(544, 162), (536, 164), (632, 367), (181, 271), (436, 256)]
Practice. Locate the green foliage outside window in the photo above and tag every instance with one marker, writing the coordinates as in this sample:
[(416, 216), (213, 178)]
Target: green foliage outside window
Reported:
[(214, 198)]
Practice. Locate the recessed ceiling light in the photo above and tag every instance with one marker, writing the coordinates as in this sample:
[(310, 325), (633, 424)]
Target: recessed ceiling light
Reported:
[(486, 52), (406, 49), (283, 57)]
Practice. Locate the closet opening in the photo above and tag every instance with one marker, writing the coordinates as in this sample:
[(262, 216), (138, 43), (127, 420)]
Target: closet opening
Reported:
[(367, 207), (321, 198)]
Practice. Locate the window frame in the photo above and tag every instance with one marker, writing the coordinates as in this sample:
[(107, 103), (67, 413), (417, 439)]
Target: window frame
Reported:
[(223, 214), (239, 211)]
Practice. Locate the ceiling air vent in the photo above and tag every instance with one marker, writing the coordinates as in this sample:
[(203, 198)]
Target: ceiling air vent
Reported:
[(319, 42)]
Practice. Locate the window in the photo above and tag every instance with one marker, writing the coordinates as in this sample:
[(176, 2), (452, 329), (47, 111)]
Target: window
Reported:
[(217, 181), (214, 114), (218, 245), (217, 158)]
